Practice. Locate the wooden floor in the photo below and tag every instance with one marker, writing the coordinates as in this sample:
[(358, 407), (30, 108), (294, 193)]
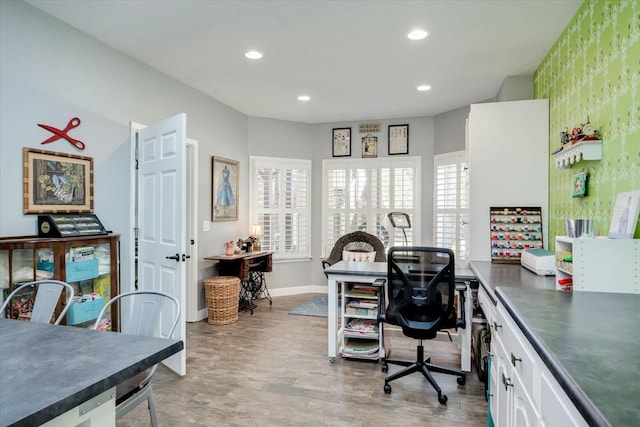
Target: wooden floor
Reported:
[(272, 369)]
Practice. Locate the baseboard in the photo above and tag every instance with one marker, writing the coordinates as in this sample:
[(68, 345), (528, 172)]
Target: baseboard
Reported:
[(277, 292)]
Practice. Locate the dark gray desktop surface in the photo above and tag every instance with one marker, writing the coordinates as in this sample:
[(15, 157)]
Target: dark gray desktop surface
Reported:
[(46, 370), (587, 340)]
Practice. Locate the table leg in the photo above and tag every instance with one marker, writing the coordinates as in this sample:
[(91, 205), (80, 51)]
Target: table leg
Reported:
[(332, 318)]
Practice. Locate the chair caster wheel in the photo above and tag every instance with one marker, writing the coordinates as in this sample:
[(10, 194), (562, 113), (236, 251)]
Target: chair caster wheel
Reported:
[(387, 389), (462, 380), (443, 399), (385, 368)]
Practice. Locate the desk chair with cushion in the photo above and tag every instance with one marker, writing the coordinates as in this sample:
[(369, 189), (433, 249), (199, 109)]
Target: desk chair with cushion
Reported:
[(144, 311), (421, 289), (357, 241), (47, 294)]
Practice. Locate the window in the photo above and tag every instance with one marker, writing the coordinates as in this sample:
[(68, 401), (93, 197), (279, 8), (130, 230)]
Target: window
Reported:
[(281, 205), (358, 195), (451, 204)]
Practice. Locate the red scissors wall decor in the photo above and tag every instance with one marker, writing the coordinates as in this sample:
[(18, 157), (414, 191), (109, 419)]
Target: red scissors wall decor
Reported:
[(58, 134)]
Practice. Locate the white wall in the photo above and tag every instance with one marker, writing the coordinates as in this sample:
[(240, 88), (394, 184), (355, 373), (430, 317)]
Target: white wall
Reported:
[(50, 73)]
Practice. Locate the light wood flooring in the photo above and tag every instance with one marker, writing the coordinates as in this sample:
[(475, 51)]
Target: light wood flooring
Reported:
[(272, 369)]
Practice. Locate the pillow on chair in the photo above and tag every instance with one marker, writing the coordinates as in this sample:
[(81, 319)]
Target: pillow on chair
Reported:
[(359, 256)]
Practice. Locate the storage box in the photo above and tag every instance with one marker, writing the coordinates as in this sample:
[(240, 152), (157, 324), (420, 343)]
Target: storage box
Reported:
[(82, 270), (84, 311)]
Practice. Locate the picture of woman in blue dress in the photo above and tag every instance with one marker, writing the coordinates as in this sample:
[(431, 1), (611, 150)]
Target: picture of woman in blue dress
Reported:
[(225, 182), (225, 193)]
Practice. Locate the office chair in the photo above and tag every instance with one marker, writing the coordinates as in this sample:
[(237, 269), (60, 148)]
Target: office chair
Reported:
[(357, 241), (145, 312), (421, 287), (47, 294)]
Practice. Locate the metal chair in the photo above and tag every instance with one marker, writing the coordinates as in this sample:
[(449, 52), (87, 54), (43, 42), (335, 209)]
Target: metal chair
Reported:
[(144, 319), (47, 294)]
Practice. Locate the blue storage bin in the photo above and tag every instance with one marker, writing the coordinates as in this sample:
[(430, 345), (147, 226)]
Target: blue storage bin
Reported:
[(84, 311), (82, 270), (44, 266)]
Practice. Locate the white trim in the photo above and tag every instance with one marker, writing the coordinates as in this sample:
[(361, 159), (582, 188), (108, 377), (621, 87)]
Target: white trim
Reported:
[(134, 128), (191, 311)]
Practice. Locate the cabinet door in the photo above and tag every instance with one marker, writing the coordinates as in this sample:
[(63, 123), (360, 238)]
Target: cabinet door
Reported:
[(503, 392), (556, 409), (524, 412)]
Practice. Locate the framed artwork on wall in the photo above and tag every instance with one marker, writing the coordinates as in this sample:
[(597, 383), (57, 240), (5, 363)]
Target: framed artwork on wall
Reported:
[(398, 139), (56, 182), (225, 177), (341, 140), (625, 215), (370, 146), (580, 185)]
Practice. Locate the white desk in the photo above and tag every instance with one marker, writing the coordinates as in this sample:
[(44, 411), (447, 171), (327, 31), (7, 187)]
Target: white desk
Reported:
[(368, 272)]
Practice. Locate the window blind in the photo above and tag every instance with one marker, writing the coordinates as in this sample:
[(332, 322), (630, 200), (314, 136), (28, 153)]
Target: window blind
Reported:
[(281, 205)]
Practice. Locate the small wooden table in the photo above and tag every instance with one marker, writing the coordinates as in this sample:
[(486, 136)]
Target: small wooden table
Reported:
[(250, 268)]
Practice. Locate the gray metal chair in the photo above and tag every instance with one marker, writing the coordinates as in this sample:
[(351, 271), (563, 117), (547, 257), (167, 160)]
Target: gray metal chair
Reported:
[(143, 316), (47, 294)]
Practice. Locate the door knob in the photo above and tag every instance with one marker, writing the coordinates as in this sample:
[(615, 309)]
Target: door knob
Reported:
[(176, 257)]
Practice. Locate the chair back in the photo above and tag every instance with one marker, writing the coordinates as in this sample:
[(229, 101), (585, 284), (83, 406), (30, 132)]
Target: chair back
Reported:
[(47, 295), (421, 289), (357, 241)]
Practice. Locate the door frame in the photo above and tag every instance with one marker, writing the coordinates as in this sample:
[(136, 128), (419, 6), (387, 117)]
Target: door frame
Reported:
[(191, 281)]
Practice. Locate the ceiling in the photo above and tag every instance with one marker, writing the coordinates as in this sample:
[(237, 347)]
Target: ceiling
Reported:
[(353, 58)]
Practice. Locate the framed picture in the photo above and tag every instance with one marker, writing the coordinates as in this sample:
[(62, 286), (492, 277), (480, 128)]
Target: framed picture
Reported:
[(56, 182), (580, 185), (370, 146), (225, 176), (341, 142), (398, 139), (625, 215)]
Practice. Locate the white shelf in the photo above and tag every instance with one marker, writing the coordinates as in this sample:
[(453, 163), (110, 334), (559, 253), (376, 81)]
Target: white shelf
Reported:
[(584, 150)]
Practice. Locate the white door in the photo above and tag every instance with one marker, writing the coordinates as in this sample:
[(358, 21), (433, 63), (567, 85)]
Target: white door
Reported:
[(162, 218)]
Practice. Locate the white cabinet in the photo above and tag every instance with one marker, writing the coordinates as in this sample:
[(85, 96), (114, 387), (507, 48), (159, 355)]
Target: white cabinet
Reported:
[(523, 391), (360, 332), (598, 264), (508, 153)]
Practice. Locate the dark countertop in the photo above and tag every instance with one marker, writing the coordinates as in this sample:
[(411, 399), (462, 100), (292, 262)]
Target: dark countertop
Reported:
[(492, 275), (46, 370), (589, 342)]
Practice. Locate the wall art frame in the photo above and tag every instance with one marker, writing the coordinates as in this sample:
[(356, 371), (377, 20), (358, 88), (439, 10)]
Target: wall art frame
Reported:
[(398, 139), (55, 182), (369, 146), (341, 142), (225, 177), (579, 185), (625, 215)]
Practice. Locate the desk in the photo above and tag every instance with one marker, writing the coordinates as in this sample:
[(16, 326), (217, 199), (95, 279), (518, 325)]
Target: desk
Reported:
[(250, 268), (368, 272), (48, 371)]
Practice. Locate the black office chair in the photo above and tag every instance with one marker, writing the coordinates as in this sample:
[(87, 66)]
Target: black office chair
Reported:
[(421, 287)]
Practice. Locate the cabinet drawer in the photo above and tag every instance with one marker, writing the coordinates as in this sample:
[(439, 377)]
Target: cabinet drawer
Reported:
[(487, 306), (519, 353)]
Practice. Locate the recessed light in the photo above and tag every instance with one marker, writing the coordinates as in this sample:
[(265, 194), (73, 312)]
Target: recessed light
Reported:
[(417, 35), (424, 88), (253, 54), (304, 98)]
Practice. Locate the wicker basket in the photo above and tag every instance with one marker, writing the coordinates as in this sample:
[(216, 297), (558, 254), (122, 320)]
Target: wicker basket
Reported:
[(222, 294)]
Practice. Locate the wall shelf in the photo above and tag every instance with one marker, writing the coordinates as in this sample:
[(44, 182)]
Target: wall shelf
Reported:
[(583, 150)]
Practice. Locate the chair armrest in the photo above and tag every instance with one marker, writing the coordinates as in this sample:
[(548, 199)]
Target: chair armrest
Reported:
[(461, 289), (379, 283)]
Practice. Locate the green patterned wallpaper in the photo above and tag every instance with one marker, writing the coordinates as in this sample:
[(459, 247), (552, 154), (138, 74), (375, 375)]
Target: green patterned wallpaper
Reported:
[(593, 71)]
